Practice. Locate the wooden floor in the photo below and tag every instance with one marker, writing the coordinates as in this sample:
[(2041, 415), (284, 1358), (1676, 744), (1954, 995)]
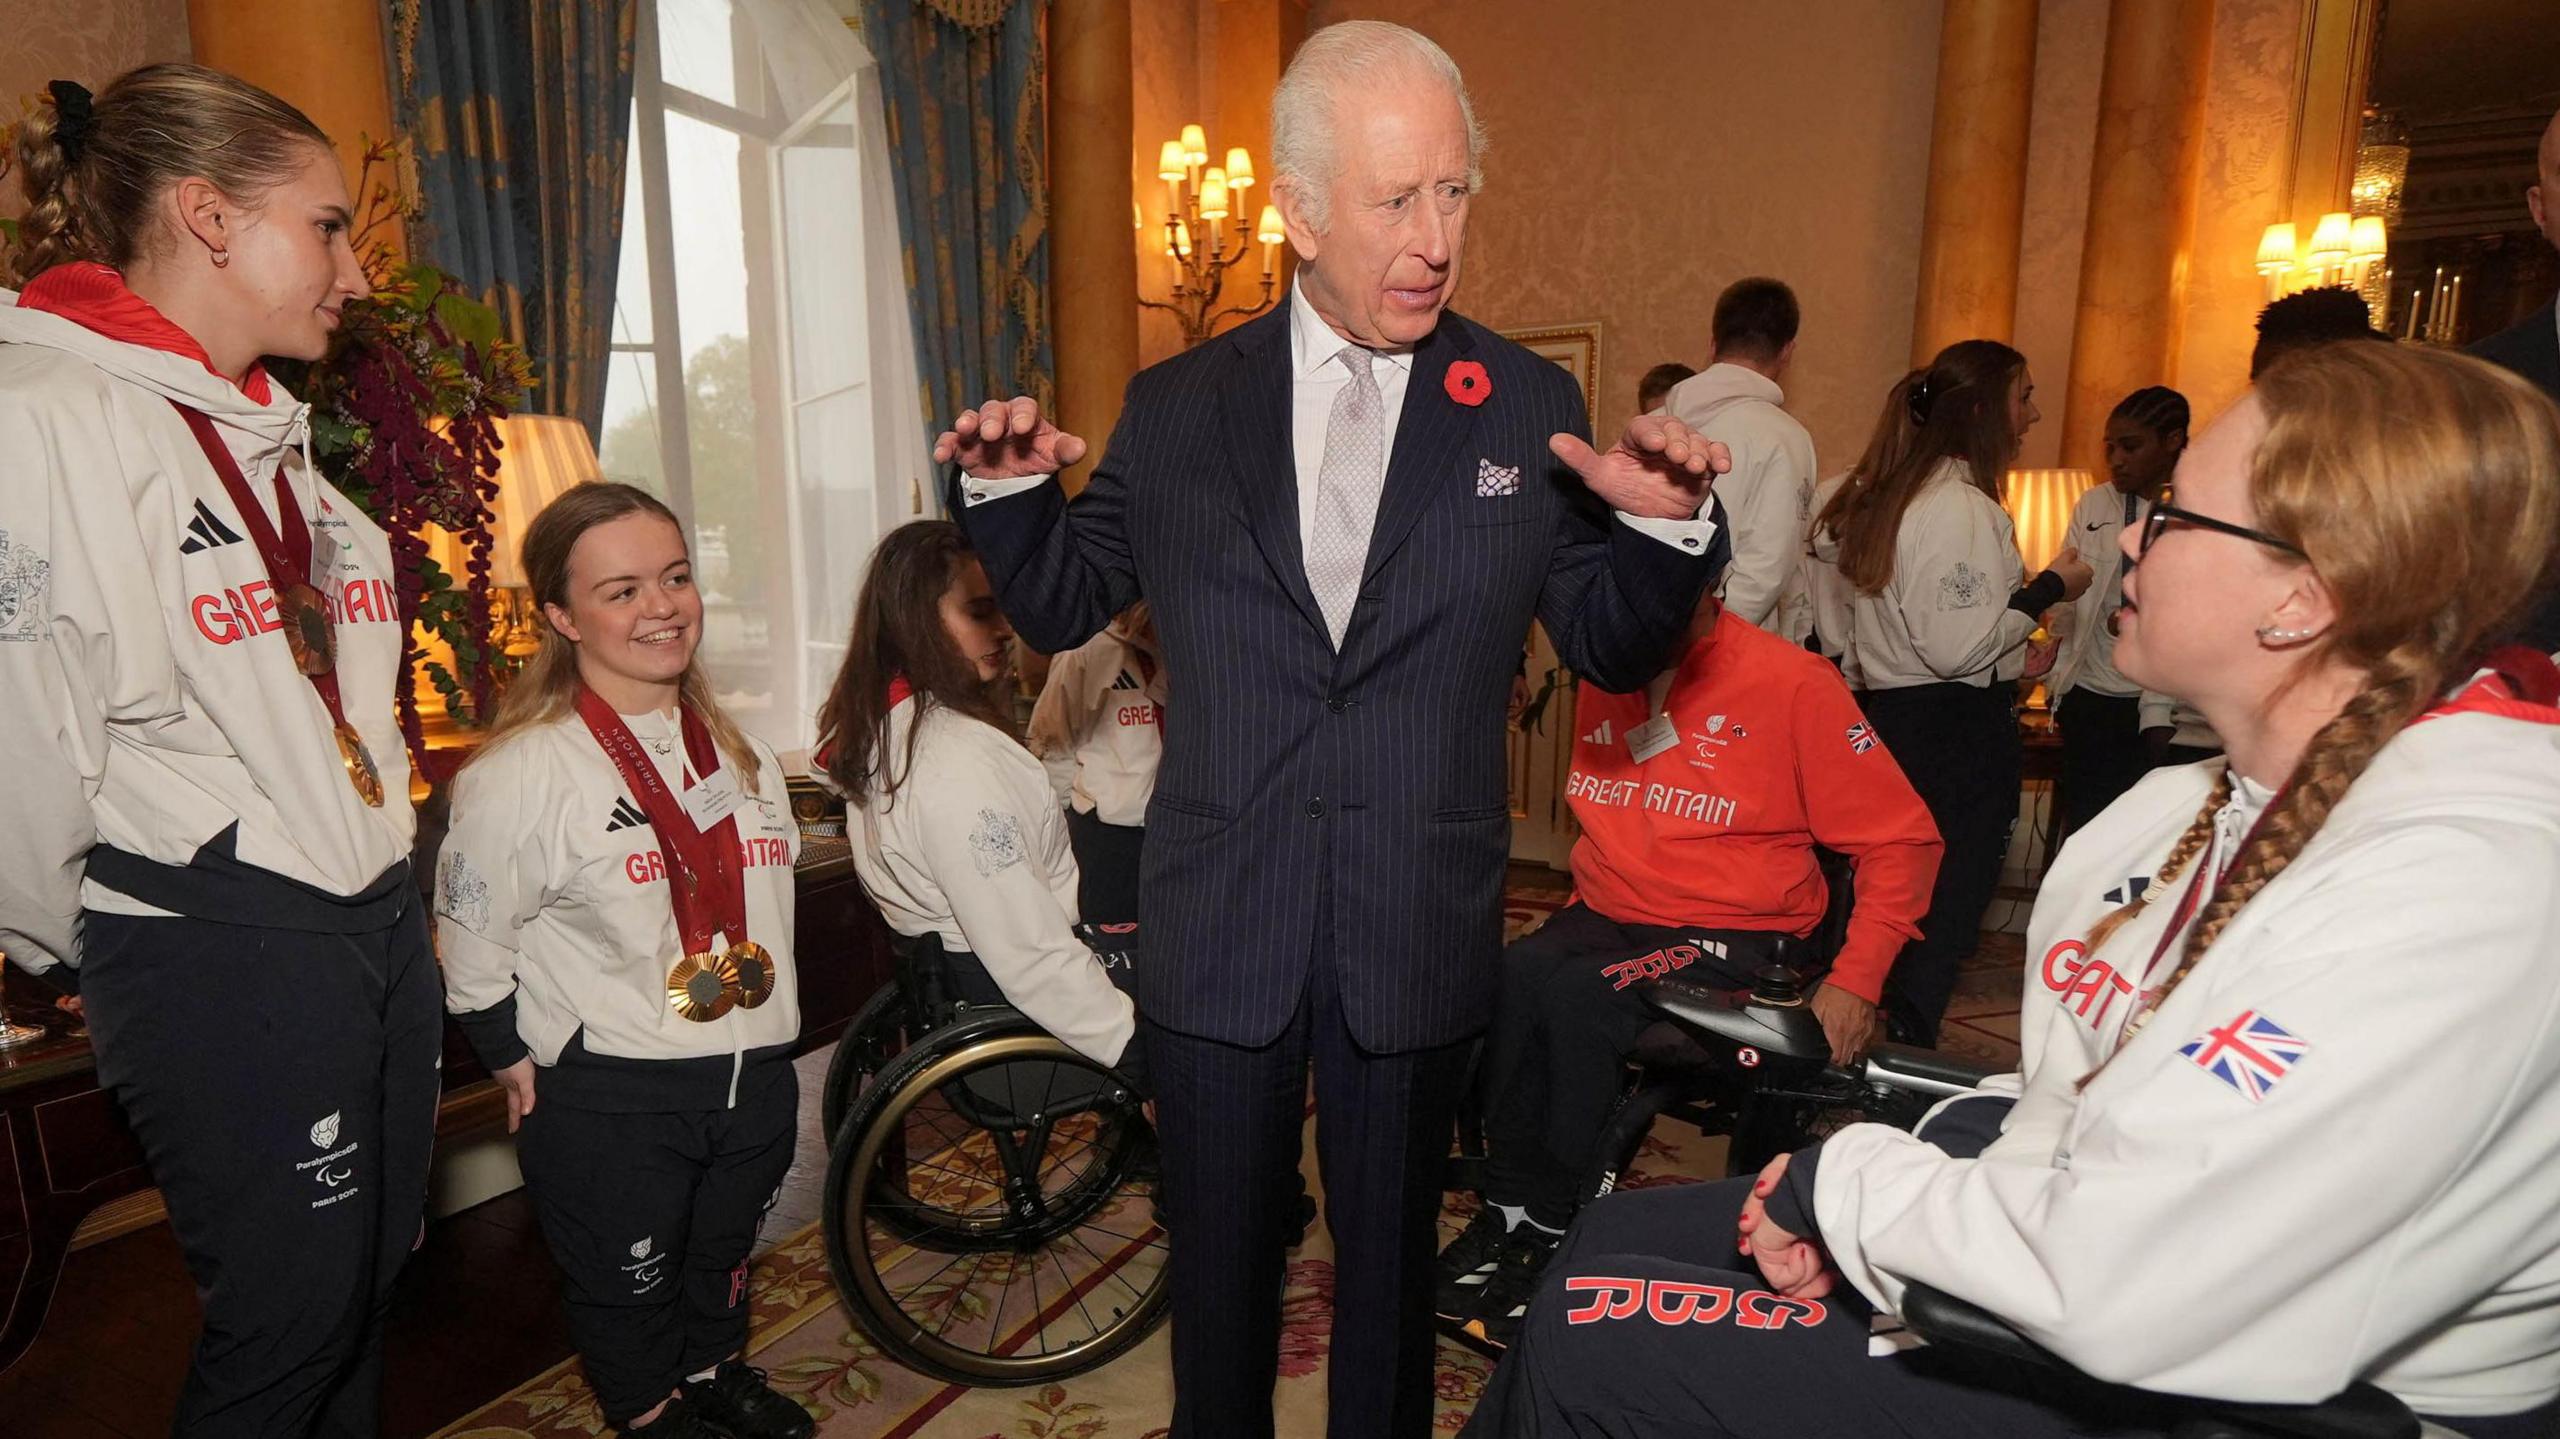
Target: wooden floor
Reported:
[(476, 1314)]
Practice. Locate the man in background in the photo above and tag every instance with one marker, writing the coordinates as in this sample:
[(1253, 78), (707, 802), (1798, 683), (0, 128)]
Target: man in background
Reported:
[(1768, 495), (2531, 347), (1656, 385), (2321, 315)]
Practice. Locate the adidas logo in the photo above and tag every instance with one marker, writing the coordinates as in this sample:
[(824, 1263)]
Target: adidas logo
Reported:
[(206, 532), (1600, 735), (1127, 681), (625, 815), (2125, 892)]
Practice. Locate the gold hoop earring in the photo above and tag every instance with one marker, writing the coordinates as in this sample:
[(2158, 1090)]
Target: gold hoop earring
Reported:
[(222, 259)]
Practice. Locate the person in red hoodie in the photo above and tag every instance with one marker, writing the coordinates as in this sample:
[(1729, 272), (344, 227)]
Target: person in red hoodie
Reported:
[(1701, 800)]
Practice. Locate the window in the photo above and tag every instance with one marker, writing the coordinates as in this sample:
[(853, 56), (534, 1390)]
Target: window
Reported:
[(760, 383)]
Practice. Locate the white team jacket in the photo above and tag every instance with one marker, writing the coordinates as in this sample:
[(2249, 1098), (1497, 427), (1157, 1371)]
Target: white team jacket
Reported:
[(1099, 728), (2370, 1190), (1766, 495), (1827, 592), (1945, 613), (974, 848), (551, 886), (147, 699), (2088, 653)]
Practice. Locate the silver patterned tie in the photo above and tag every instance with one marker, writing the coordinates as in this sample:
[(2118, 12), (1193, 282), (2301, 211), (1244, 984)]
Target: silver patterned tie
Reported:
[(1347, 486)]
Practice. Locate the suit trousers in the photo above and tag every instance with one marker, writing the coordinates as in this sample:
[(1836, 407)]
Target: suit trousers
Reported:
[(1230, 1117)]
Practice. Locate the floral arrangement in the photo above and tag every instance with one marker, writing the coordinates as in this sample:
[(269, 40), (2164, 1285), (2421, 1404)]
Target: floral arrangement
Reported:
[(404, 422)]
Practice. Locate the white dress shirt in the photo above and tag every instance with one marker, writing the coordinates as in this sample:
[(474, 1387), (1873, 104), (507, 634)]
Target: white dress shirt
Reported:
[(1316, 376)]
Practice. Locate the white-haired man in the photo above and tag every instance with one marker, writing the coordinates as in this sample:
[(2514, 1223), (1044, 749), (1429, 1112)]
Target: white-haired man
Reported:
[(1346, 514)]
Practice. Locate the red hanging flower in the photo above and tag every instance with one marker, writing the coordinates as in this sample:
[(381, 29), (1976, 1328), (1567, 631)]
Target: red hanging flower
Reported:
[(1467, 383)]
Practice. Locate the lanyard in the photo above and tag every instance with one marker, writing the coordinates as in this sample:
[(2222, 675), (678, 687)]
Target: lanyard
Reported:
[(705, 882)]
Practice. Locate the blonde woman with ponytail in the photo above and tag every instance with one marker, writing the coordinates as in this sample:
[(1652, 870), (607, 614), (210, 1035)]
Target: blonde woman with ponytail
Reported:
[(208, 826), (2288, 1110), (614, 909)]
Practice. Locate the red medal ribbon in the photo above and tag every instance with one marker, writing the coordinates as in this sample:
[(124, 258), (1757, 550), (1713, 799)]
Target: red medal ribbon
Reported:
[(705, 882), (287, 554)]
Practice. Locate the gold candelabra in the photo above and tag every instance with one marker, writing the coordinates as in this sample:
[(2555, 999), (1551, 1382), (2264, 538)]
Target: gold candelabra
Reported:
[(1204, 209)]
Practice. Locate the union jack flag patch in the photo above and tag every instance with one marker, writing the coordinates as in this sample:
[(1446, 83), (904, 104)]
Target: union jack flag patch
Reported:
[(2250, 1053), (1861, 739)]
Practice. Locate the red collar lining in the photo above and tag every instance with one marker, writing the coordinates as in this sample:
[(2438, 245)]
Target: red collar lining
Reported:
[(95, 297)]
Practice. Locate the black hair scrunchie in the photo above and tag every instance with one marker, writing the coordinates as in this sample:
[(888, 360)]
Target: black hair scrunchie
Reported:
[(71, 102), (1920, 400)]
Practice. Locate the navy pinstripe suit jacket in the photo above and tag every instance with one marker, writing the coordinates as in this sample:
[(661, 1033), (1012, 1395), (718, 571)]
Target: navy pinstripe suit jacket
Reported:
[(1373, 777)]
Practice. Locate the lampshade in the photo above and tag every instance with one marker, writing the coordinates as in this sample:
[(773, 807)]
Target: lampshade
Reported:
[(1239, 169), (1213, 197), (2275, 249), (1171, 163), (540, 458), (1182, 238), (1195, 144), (1267, 229), (2329, 241), (1138, 215), (2368, 240), (2039, 504)]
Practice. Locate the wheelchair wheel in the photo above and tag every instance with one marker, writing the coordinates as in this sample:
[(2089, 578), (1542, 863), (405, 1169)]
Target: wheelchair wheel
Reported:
[(989, 1208), (879, 1030)]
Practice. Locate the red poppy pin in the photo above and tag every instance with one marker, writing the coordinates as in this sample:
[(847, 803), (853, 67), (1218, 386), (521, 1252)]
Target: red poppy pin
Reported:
[(1467, 382)]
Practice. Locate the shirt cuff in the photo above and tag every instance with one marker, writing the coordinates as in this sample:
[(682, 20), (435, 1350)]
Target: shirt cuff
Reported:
[(977, 491), (1688, 536)]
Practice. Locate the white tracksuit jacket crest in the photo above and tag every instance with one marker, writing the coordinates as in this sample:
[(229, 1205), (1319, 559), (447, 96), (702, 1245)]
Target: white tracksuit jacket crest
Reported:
[(2334, 1151)]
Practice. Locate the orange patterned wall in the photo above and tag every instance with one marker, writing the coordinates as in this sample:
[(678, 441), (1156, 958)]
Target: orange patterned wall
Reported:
[(1645, 155), (91, 41)]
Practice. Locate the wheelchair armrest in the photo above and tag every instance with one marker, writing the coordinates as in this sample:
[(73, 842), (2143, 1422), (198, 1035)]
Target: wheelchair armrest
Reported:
[(1941, 1318), (1737, 1017), (1930, 1071), (2360, 1411)]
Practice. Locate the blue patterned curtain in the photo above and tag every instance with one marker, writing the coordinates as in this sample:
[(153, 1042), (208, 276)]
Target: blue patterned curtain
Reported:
[(966, 86), (516, 115)]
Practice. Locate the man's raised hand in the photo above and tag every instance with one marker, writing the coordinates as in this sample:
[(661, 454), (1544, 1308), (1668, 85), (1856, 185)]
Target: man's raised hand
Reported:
[(1007, 440), (1659, 469)]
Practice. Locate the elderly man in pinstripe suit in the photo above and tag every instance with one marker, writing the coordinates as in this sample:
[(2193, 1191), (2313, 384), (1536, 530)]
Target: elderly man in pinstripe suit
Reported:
[(1346, 514)]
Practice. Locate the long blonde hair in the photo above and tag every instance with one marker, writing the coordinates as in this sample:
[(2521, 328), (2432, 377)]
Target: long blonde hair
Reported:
[(547, 688), (150, 128), (2424, 488)]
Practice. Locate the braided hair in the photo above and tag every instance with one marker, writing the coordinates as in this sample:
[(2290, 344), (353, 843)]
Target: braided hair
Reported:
[(2157, 408), (2424, 489)]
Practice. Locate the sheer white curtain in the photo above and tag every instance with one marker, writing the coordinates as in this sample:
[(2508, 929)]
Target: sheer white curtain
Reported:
[(852, 463)]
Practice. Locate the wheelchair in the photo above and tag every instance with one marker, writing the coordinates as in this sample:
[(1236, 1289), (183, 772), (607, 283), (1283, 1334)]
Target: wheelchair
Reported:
[(988, 1201)]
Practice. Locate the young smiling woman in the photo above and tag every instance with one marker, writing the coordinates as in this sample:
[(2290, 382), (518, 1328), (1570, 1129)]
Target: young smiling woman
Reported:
[(615, 905), (209, 816)]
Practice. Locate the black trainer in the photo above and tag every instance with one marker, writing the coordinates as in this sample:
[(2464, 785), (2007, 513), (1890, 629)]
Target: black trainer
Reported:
[(740, 1403), (678, 1420), (1514, 1283), (1467, 1264)]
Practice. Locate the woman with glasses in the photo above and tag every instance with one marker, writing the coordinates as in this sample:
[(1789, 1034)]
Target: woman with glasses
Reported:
[(2288, 1117), (1938, 623), (2098, 710)]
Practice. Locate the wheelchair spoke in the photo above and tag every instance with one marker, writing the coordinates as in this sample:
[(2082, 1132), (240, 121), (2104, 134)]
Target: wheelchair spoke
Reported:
[(1105, 1268), (1075, 1290), (976, 1263)]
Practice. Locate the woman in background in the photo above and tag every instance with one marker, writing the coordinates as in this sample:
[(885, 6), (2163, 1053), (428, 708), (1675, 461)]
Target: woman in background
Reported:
[(1099, 728), (1938, 625), (1831, 594), (2097, 709)]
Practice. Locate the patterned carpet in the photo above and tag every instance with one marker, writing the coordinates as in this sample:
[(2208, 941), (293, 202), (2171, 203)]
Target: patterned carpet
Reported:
[(802, 1336)]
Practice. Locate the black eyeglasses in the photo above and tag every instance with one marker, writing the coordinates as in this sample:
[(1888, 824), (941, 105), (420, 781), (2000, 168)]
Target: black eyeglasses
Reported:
[(2162, 512)]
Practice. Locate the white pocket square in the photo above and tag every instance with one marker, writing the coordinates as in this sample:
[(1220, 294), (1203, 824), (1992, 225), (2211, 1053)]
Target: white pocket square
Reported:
[(1493, 479)]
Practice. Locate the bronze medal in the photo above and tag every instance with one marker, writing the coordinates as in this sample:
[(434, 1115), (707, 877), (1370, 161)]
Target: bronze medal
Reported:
[(754, 966), (308, 632), (360, 768), (703, 987)]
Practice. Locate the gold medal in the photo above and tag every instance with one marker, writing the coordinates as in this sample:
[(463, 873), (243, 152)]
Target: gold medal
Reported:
[(359, 762), (703, 987), (754, 967), (308, 632)]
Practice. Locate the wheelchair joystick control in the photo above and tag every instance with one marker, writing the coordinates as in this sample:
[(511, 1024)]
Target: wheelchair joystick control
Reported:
[(1777, 985)]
